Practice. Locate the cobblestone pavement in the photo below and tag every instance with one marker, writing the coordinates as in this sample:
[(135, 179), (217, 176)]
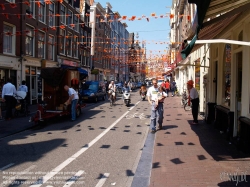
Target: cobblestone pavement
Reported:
[(194, 155)]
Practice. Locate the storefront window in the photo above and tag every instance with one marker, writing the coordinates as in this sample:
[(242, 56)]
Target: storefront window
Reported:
[(227, 75)]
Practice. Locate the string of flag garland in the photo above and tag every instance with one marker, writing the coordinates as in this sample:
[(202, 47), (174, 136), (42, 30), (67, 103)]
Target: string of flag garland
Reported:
[(115, 17)]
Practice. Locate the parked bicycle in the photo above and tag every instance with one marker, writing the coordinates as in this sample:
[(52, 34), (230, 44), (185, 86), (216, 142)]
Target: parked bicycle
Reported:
[(185, 102)]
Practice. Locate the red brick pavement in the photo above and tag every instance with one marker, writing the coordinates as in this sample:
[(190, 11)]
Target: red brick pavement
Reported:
[(194, 155)]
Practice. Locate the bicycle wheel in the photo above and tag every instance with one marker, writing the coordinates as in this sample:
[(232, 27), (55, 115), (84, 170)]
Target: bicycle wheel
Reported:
[(187, 107)]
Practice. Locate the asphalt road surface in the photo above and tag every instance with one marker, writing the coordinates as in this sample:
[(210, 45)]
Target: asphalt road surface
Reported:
[(101, 148)]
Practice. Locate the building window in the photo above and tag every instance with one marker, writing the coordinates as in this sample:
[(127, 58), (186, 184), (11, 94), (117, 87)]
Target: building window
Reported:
[(62, 41), (70, 18), (51, 47), (75, 49), (41, 45), (9, 39), (63, 14), (31, 8), (52, 15), (69, 44), (76, 23), (42, 12), (227, 76), (29, 41)]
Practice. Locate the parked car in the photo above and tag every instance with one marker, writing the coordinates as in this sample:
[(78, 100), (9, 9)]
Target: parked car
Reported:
[(93, 91)]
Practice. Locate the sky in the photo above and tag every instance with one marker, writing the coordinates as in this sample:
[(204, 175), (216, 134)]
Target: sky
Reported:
[(155, 31)]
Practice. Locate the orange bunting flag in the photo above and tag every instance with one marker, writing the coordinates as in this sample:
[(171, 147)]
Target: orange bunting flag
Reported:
[(188, 18), (8, 33), (124, 17), (6, 15), (38, 4), (171, 16), (27, 3), (18, 33), (133, 18), (29, 15), (48, 2), (13, 5), (53, 28), (60, 1), (153, 14), (72, 25), (45, 29), (62, 26), (57, 15), (2, 6)]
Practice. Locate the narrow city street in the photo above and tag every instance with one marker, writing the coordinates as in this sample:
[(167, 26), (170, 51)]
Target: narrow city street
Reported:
[(102, 148)]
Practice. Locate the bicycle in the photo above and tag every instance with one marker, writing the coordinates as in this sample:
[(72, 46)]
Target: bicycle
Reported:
[(187, 105), (111, 97)]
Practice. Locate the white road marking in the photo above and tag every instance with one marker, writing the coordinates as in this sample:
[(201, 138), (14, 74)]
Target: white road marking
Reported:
[(73, 179), (134, 106), (102, 180), (48, 176), (13, 178), (5, 167)]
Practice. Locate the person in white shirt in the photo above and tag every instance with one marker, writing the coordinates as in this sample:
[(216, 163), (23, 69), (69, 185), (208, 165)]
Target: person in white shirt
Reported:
[(194, 97), (156, 100), (112, 87), (7, 94), (23, 87), (73, 99)]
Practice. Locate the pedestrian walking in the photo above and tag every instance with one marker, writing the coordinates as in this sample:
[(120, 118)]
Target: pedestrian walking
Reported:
[(24, 88), (73, 99), (173, 88), (167, 86), (156, 98), (194, 97), (7, 96)]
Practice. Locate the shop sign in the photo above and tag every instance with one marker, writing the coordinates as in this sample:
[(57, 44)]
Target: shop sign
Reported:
[(6, 64), (33, 63), (70, 63)]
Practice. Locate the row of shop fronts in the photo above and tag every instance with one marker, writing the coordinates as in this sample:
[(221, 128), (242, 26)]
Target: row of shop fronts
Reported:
[(221, 72), (29, 69)]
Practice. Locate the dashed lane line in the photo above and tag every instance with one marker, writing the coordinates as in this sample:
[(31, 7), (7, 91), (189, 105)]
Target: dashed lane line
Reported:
[(102, 180), (49, 175), (73, 179)]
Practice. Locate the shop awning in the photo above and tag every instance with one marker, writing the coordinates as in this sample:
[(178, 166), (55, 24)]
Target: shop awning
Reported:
[(82, 71), (207, 9), (213, 28)]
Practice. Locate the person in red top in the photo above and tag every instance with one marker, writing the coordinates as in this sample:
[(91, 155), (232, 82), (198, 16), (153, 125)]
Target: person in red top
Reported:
[(167, 86)]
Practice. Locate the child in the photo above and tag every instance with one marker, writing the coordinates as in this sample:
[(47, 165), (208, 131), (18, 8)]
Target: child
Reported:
[(161, 95)]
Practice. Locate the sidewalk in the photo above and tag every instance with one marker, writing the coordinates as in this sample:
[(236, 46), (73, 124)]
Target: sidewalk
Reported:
[(194, 155), (16, 125)]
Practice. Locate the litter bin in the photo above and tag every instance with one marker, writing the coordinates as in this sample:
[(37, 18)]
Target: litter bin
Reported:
[(211, 112)]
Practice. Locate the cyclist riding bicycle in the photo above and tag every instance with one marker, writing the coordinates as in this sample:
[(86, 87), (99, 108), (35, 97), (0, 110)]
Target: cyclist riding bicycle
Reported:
[(112, 88)]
